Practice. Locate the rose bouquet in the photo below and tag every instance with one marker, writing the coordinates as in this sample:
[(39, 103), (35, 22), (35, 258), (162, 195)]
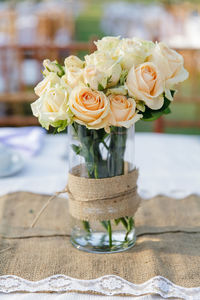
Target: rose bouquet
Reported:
[(122, 82)]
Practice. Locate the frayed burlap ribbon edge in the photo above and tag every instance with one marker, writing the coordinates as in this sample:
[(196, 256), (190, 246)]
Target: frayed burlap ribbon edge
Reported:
[(102, 199), (99, 199)]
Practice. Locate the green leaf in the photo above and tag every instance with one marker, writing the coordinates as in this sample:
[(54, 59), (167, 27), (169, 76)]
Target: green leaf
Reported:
[(100, 87), (117, 221), (167, 111), (123, 77), (60, 125), (61, 72), (141, 106), (86, 226), (173, 92), (123, 220), (130, 223), (55, 130), (105, 224), (48, 69), (84, 151), (76, 149)]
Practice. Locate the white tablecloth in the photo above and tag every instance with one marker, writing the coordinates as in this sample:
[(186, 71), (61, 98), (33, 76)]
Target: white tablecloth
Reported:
[(168, 164)]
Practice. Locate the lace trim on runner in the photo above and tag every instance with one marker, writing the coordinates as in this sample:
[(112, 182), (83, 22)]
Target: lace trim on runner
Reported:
[(106, 285)]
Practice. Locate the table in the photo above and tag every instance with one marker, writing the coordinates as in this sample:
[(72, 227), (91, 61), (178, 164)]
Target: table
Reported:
[(168, 164)]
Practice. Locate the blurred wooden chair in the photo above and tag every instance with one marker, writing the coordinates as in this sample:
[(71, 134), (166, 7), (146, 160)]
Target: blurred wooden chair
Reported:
[(8, 25), (52, 22), (182, 9), (189, 95), (23, 94)]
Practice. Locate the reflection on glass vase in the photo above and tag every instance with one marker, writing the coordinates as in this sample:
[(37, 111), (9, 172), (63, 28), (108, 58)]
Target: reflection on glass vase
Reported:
[(100, 155)]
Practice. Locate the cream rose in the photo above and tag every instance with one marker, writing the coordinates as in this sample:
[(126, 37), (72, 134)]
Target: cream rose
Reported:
[(133, 52), (145, 83), (52, 106), (49, 81), (89, 107), (73, 76), (114, 73), (73, 61), (170, 64), (106, 65), (122, 111), (52, 66), (93, 77), (108, 44)]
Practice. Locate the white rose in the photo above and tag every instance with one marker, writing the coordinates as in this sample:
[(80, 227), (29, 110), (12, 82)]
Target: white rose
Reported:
[(73, 76), (114, 73), (73, 61), (50, 80), (107, 44), (105, 64), (52, 66), (170, 64), (145, 83), (93, 77), (52, 106), (133, 52)]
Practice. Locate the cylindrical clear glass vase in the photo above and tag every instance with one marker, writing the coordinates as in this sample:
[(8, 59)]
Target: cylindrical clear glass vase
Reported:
[(102, 155)]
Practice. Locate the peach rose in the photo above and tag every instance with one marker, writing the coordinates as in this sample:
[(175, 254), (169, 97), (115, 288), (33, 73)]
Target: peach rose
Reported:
[(145, 83), (122, 111), (89, 107), (170, 64)]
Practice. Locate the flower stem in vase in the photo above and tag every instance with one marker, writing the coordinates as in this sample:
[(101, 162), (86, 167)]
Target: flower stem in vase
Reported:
[(110, 233), (117, 147), (86, 226), (115, 161), (108, 227), (129, 227)]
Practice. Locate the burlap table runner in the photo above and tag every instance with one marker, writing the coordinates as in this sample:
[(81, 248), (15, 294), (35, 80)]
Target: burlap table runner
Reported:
[(168, 242)]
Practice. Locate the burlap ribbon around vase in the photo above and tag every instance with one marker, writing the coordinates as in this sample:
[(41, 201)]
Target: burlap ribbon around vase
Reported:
[(102, 199)]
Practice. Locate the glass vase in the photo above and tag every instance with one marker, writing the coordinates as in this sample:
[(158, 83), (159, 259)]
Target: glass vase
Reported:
[(102, 155)]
